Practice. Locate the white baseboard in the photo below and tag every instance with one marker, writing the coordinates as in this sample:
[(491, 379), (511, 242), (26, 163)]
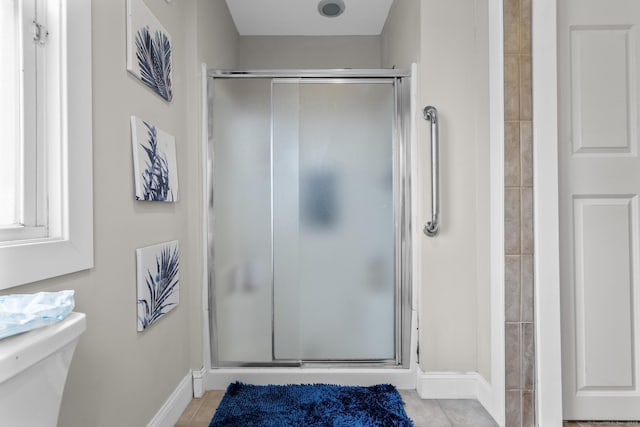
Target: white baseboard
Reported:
[(198, 382), (448, 385), (453, 385), (490, 400), (174, 406)]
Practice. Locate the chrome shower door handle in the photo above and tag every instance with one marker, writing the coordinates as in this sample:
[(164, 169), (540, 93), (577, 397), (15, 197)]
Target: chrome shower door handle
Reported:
[(431, 227)]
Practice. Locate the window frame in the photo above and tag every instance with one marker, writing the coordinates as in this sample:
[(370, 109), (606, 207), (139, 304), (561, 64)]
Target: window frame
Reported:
[(67, 118)]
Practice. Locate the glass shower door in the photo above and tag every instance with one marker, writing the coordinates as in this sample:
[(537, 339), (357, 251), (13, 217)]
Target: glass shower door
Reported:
[(303, 235), (333, 220)]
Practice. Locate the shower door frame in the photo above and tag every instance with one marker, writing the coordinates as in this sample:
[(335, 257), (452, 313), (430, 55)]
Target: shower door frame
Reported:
[(403, 251)]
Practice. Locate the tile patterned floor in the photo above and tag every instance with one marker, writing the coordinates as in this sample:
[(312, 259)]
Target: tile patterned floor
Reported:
[(424, 413)]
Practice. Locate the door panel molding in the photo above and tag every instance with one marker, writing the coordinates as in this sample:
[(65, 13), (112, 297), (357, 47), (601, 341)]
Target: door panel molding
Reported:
[(603, 117), (604, 231)]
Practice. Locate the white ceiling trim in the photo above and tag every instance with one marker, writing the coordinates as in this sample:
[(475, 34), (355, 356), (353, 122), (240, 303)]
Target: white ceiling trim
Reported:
[(301, 18)]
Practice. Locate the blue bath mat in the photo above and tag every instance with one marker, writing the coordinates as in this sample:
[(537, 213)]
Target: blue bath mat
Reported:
[(310, 405)]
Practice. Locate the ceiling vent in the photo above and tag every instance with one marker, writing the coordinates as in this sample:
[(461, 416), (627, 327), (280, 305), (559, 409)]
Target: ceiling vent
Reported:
[(331, 8)]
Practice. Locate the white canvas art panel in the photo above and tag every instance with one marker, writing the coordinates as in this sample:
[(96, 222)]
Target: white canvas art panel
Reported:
[(158, 282), (154, 162), (149, 48)]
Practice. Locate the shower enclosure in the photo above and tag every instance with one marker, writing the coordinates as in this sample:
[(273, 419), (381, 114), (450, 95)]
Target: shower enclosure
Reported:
[(309, 218)]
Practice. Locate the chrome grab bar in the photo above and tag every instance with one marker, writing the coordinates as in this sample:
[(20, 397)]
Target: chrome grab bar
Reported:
[(431, 227)]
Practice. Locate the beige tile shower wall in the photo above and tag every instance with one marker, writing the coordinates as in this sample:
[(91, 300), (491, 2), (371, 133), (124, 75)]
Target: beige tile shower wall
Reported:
[(519, 328)]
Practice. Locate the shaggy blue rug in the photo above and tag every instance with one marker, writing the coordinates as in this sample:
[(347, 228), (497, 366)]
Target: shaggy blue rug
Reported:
[(310, 405)]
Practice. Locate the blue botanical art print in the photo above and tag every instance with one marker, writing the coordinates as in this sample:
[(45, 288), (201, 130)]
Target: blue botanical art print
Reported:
[(154, 162), (158, 282), (148, 49)]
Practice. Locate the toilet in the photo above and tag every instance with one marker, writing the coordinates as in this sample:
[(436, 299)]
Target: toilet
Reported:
[(33, 371)]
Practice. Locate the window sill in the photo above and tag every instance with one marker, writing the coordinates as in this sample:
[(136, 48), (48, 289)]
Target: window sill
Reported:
[(19, 234)]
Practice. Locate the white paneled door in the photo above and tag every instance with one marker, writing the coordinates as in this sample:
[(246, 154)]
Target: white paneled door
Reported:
[(598, 84)]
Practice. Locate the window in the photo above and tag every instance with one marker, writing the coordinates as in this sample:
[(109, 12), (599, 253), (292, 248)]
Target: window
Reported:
[(46, 226), (23, 159)]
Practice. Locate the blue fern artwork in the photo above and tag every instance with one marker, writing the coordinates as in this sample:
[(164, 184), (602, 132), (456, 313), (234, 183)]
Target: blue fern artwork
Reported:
[(154, 161), (148, 49), (154, 60), (158, 282)]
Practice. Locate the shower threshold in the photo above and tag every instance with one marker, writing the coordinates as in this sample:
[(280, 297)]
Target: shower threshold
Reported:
[(354, 374)]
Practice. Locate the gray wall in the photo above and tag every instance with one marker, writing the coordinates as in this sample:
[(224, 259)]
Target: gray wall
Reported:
[(213, 40), (454, 303), (400, 38), (120, 377), (308, 52), (449, 41)]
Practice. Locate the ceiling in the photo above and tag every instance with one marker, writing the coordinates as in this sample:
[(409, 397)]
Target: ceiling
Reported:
[(301, 18)]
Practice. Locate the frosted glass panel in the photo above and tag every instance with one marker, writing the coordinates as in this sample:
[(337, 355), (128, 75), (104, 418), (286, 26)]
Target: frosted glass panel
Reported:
[(333, 221), (302, 227), (286, 229), (242, 220)]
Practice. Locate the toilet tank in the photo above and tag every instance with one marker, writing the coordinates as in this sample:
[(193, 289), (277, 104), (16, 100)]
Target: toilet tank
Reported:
[(33, 371)]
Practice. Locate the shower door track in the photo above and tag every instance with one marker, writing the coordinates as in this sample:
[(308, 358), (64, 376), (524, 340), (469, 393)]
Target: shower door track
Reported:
[(375, 363), (335, 73), (402, 212)]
